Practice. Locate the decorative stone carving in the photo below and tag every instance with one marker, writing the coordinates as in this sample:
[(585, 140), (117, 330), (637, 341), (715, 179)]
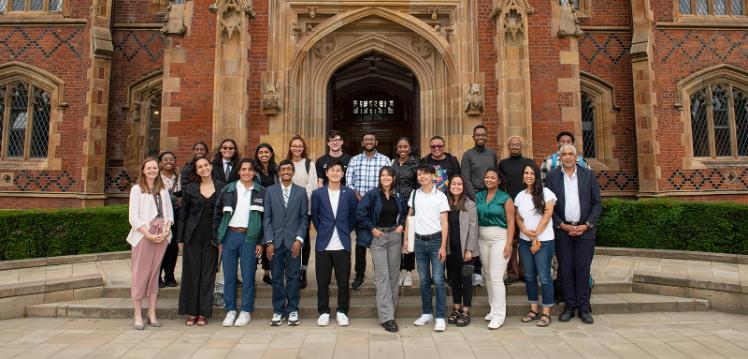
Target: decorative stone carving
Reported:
[(229, 14), (421, 46), (174, 20), (271, 99), (324, 47), (568, 22), (312, 11), (513, 24), (296, 30), (474, 101)]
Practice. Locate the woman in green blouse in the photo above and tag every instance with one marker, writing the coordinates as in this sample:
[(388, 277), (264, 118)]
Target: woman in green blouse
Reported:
[(495, 234)]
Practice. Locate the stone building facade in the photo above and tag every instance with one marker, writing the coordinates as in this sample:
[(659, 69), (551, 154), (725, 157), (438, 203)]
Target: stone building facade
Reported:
[(656, 91)]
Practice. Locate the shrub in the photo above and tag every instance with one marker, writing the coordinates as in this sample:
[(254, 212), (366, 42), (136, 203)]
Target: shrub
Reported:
[(682, 225), (48, 233)]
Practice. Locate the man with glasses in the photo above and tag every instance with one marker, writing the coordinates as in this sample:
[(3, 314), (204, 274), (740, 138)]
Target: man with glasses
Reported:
[(444, 163), (363, 175), (512, 168), (335, 143)]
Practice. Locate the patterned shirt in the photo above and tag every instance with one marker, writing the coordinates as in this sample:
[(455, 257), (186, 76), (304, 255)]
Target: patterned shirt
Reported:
[(553, 161), (363, 172)]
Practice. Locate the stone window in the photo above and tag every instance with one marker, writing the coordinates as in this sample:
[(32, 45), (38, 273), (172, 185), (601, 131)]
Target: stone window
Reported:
[(26, 109), (144, 118), (712, 7), (11, 6), (719, 120), (588, 126), (598, 110)]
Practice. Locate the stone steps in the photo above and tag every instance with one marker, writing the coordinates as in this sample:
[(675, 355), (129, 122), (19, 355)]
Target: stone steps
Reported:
[(365, 306), (264, 291)]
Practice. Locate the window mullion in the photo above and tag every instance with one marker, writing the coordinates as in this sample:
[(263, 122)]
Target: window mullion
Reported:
[(29, 124), (710, 124), (6, 121), (733, 125)]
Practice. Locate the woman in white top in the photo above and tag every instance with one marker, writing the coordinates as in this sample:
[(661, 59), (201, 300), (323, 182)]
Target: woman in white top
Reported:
[(151, 217), (305, 175), (536, 245)]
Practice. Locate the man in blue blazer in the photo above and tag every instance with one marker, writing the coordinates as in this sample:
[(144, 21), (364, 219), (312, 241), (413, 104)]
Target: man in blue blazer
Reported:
[(575, 216), (285, 223), (333, 215)]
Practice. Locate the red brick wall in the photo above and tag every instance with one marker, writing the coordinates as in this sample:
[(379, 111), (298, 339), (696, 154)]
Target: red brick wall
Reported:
[(609, 13), (258, 31), (134, 11), (487, 67)]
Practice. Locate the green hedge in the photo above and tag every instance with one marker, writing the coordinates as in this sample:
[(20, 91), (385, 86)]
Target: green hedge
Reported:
[(48, 233), (720, 227), (661, 224)]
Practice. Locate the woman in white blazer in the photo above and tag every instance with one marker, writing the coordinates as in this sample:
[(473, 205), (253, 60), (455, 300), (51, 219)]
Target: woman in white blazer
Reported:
[(151, 216)]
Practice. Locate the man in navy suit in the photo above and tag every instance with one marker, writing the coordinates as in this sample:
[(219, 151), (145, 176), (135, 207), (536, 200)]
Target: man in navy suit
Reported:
[(333, 215), (285, 223), (575, 216)]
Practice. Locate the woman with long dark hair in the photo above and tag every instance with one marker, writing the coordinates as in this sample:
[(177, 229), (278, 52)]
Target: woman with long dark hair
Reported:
[(536, 246), (305, 175), (151, 217), (404, 167), (197, 239), (226, 162), (267, 175), (462, 246)]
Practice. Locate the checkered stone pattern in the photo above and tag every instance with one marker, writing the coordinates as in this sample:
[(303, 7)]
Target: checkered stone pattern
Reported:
[(118, 180), (44, 181), (702, 46), (714, 179), (23, 41), (604, 48), (139, 45), (617, 181)]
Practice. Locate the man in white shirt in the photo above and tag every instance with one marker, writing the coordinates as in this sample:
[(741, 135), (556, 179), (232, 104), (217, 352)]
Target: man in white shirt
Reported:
[(430, 208), (333, 215), (574, 217)]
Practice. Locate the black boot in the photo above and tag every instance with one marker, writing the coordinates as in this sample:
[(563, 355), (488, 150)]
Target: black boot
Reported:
[(302, 279)]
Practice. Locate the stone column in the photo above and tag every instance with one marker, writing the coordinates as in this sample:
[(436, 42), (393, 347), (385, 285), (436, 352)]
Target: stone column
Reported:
[(569, 85)]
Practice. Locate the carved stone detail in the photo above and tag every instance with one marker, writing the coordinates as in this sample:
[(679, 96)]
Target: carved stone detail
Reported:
[(229, 14), (324, 47), (421, 46), (474, 101), (271, 99), (174, 20), (568, 22), (513, 24)]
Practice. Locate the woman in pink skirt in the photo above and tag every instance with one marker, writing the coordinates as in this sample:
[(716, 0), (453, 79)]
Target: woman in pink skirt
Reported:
[(151, 217)]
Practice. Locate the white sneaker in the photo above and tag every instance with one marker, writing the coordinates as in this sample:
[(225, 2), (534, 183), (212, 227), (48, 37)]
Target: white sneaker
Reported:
[(477, 280), (424, 319), (230, 317), (244, 319), (276, 320), (488, 317), (324, 320), (494, 323), (342, 319), (440, 325), (293, 319), (408, 281)]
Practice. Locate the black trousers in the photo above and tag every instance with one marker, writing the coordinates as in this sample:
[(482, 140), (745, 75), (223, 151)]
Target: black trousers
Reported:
[(408, 262), (170, 256), (360, 261), (462, 286), (574, 260), (306, 248), (199, 265), (326, 262)]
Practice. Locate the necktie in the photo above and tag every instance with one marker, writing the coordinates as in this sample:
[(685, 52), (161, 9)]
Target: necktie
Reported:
[(227, 172), (286, 195)]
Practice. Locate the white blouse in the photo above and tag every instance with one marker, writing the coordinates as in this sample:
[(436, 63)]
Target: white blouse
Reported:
[(304, 179), (142, 209)]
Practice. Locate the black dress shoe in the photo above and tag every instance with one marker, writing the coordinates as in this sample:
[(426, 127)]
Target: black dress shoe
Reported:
[(357, 283), (302, 279), (171, 282), (390, 326), (566, 315), (267, 280), (161, 283), (586, 317)]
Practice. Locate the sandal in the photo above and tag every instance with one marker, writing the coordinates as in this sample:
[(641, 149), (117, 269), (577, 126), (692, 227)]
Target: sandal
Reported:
[(190, 321), (453, 317), (463, 320), (545, 320), (202, 321), (531, 315)]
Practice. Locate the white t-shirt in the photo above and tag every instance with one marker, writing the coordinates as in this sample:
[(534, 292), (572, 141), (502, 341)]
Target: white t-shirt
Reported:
[(429, 207), (531, 218), (240, 217), (335, 244)]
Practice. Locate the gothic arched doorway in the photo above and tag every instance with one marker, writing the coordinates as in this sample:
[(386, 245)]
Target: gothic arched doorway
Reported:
[(373, 93)]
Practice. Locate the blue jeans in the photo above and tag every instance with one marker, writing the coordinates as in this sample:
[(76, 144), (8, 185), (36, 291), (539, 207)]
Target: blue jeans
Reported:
[(428, 264), (538, 265), (234, 249), (286, 271)]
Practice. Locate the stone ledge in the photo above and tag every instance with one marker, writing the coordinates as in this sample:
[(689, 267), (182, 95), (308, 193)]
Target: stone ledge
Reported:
[(50, 286), (673, 254), (78, 258), (722, 296)]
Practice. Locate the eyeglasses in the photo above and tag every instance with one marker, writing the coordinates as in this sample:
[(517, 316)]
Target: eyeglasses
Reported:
[(336, 140), (436, 146), (228, 148)]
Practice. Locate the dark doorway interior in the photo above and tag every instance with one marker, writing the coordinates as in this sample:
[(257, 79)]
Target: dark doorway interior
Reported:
[(373, 93)]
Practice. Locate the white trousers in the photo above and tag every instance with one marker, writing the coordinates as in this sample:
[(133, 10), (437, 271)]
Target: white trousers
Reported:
[(491, 241)]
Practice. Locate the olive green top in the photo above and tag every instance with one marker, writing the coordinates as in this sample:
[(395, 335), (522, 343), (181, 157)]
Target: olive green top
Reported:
[(491, 214)]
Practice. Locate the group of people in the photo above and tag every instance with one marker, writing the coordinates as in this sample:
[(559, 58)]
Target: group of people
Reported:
[(465, 222)]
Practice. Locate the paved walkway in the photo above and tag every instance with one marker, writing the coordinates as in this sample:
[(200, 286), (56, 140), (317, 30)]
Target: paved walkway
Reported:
[(639, 336)]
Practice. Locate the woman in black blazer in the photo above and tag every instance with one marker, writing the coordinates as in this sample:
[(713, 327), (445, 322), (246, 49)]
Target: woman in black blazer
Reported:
[(197, 239)]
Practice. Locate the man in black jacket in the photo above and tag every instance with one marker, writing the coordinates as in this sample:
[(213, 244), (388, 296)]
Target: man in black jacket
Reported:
[(444, 163), (575, 218)]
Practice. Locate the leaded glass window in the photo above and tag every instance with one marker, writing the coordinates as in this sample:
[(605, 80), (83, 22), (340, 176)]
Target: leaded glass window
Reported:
[(26, 114), (712, 7), (369, 110), (154, 124), (719, 121), (588, 126), (30, 5)]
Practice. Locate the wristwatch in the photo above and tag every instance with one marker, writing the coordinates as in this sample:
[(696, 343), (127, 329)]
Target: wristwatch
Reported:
[(589, 225)]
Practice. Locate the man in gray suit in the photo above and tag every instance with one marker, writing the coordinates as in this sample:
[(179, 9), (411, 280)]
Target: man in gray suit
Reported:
[(285, 222)]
